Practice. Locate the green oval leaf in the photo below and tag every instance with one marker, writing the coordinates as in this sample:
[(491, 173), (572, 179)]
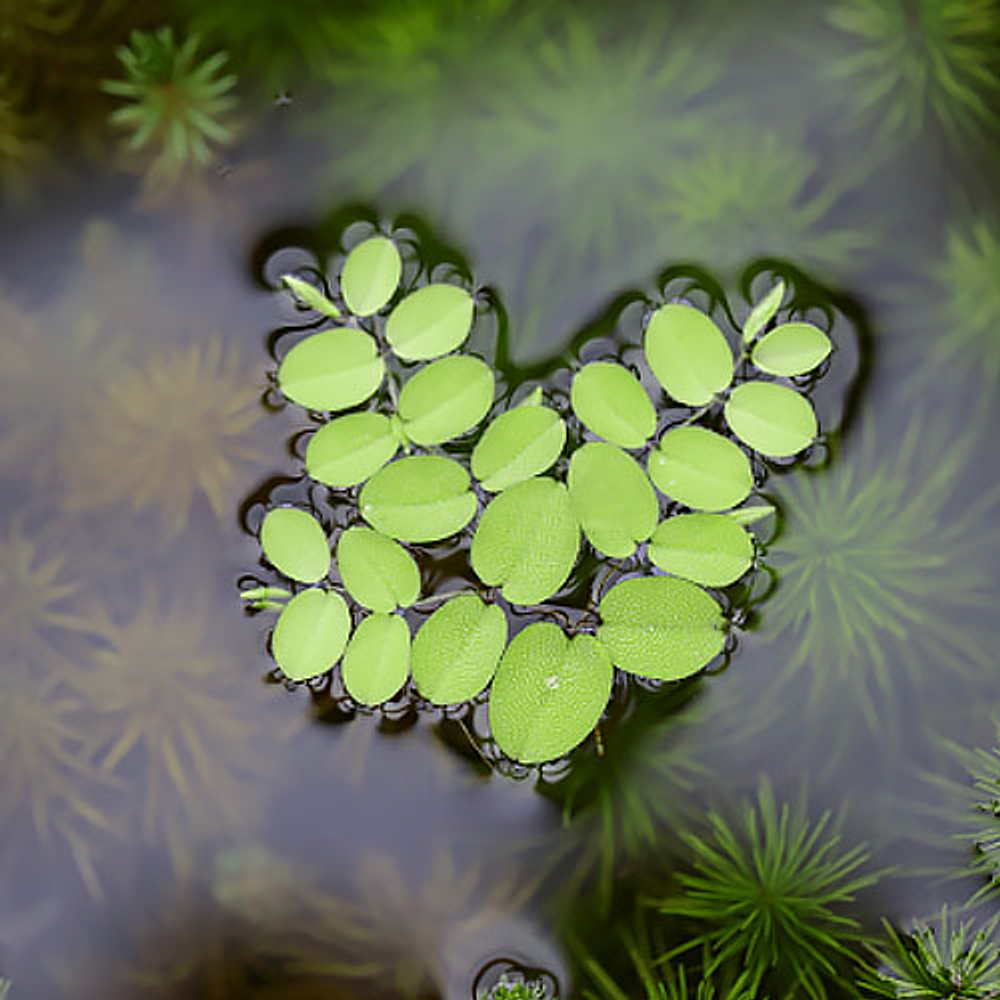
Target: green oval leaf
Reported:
[(310, 296), (791, 349), (688, 354), (295, 543), (660, 627), (445, 399), (371, 275), (612, 499), (711, 549), (457, 650), (771, 419), (332, 370), (517, 445), (763, 312), (377, 659), (430, 322), (310, 633), (349, 449), (548, 693), (527, 541), (751, 514), (422, 498), (611, 403), (700, 469), (376, 571)]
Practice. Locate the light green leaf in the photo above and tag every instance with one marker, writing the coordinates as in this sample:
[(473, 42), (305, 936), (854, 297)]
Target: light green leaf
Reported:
[(311, 633), (612, 499), (763, 312), (371, 275), (377, 572), (377, 659), (611, 403), (700, 469), (430, 322), (349, 449), (688, 354), (517, 445), (445, 399), (295, 543), (660, 627), (332, 370), (771, 419), (456, 651), (791, 349), (422, 498), (265, 594), (527, 541), (752, 514), (310, 296), (711, 549), (548, 693)]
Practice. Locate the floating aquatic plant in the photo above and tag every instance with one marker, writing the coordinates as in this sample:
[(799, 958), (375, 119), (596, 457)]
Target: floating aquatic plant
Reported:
[(178, 105)]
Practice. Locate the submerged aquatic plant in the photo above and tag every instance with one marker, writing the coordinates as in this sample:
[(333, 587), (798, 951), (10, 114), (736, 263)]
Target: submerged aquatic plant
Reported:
[(177, 105), (766, 895), (912, 63), (21, 146)]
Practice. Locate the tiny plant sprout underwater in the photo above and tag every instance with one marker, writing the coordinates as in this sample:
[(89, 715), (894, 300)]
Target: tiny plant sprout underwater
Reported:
[(660, 506)]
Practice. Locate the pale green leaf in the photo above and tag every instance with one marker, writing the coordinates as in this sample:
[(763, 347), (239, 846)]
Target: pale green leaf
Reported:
[(377, 659), (527, 541), (429, 322), (376, 571), (612, 499), (457, 649), (265, 594), (751, 514), (688, 354), (700, 469), (772, 419), (371, 275), (310, 633), (517, 445), (295, 543), (310, 296), (349, 449), (332, 370), (763, 312), (422, 498), (611, 403), (548, 693), (660, 627), (791, 349), (445, 399), (711, 549)]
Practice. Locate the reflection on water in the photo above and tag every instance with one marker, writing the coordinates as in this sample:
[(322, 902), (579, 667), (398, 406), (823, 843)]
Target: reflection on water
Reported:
[(173, 825)]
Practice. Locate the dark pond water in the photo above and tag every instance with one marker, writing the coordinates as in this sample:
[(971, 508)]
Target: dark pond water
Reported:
[(174, 822)]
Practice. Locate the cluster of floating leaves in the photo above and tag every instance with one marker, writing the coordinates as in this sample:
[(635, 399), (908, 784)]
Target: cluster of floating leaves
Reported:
[(511, 504)]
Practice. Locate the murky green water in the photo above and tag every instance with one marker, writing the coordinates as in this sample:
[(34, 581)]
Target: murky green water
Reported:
[(173, 821)]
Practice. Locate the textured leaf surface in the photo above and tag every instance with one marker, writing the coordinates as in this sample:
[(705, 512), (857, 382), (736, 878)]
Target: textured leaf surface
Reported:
[(295, 543), (376, 571), (371, 275), (548, 693), (688, 354), (310, 295), (445, 399), (377, 659), (332, 370), (791, 349), (660, 627), (700, 469), (422, 498), (611, 403), (517, 445), (712, 549), (349, 449), (456, 651), (429, 322), (772, 419), (612, 499), (527, 541), (311, 633), (763, 312)]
